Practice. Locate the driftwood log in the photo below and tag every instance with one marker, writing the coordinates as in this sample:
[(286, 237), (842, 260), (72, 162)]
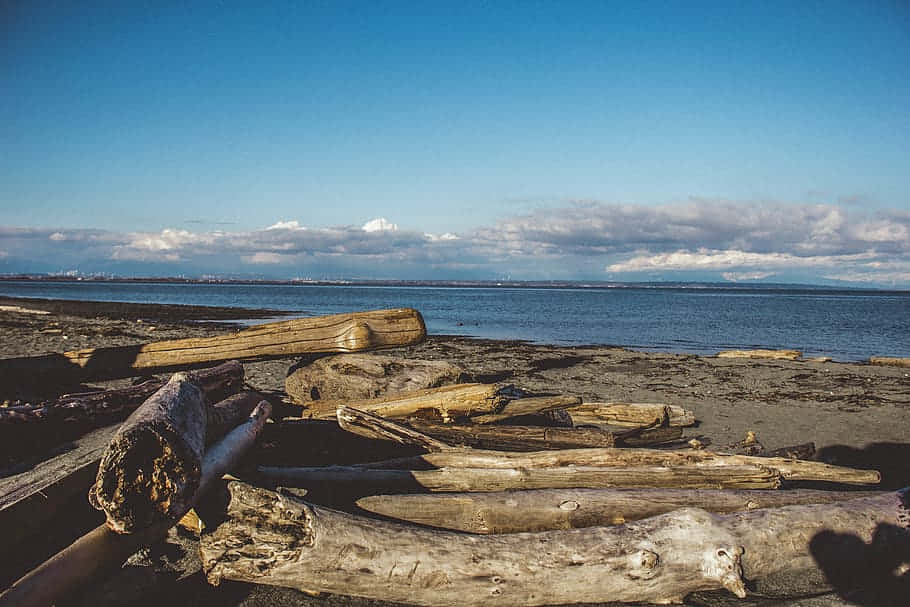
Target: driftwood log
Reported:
[(630, 414), (275, 538), (550, 509), (361, 376), (337, 333), (523, 407), (502, 479), (102, 550), (760, 353), (372, 426)]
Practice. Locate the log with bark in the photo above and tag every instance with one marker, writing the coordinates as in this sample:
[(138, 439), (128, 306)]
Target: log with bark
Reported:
[(550, 509), (337, 333), (630, 414), (275, 538), (523, 407), (348, 478), (101, 550), (372, 426), (443, 404)]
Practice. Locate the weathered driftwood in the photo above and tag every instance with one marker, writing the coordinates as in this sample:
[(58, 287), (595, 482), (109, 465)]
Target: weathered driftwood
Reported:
[(502, 479), (889, 361), (630, 414), (516, 438), (445, 403), (152, 465), (789, 469), (32, 496), (361, 376), (522, 407), (771, 354), (102, 550), (337, 333), (277, 539), (227, 413), (372, 426), (550, 509)]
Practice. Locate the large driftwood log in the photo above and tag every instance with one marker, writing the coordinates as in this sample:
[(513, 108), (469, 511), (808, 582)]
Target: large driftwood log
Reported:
[(760, 353), (630, 414), (522, 407), (337, 333), (445, 403), (516, 438), (889, 361), (102, 550), (277, 539), (375, 427), (789, 469), (152, 465), (33, 495), (550, 509), (502, 479), (361, 376)]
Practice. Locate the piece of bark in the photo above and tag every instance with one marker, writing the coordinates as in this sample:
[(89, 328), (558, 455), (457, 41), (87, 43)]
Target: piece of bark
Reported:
[(375, 427), (151, 468), (271, 538), (789, 469), (630, 414), (550, 509), (337, 333), (890, 361), (101, 550), (502, 479), (515, 438), (444, 404), (362, 376), (770, 354), (522, 407), (32, 496)]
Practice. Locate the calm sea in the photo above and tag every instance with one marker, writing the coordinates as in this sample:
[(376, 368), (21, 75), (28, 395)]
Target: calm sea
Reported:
[(846, 325)]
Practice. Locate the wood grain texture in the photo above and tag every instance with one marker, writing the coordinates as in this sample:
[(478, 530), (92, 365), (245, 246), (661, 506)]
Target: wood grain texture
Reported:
[(630, 414)]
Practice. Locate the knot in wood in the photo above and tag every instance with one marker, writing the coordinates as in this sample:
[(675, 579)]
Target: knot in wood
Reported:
[(724, 565), (356, 337), (569, 505), (643, 564)]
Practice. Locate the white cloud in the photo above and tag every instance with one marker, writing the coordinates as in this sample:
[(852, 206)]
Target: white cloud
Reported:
[(440, 237), (57, 236), (263, 257), (380, 224), (705, 259), (746, 276), (286, 225)]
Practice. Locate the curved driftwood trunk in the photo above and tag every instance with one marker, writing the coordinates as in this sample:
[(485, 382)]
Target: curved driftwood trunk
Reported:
[(101, 550), (550, 509), (276, 539), (152, 465)]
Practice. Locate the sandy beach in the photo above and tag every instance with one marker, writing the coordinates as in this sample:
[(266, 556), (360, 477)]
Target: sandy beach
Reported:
[(856, 414)]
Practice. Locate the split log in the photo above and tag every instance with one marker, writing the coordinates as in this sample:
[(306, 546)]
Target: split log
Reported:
[(789, 469), (375, 427), (502, 479), (550, 509), (32, 496), (361, 376), (770, 354), (516, 438), (102, 550), (337, 333), (274, 538), (227, 413), (630, 414), (445, 403), (522, 407), (889, 361)]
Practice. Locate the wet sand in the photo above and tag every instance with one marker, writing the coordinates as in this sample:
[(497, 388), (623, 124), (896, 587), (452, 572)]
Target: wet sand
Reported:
[(856, 414)]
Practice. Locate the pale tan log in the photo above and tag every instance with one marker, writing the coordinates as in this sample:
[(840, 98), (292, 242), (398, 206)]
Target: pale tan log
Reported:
[(889, 361), (516, 438), (551, 509), (770, 354), (372, 426), (276, 539), (502, 479), (445, 403), (789, 469), (527, 406), (338, 333), (630, 414), (101, 550)]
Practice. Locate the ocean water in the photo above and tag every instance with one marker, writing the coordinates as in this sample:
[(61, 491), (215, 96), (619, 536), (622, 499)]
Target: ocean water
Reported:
[(846, 325)]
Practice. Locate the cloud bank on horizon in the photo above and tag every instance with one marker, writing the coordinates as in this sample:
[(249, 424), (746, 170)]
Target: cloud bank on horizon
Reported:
[(699, 240)]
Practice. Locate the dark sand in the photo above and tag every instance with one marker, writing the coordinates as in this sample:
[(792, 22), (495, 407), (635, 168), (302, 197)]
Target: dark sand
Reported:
[(857, 414)]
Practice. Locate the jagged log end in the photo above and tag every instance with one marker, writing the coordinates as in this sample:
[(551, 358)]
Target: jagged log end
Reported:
[(233, 552)]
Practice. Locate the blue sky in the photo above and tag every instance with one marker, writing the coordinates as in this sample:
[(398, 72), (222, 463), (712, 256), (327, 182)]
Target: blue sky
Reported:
[(537, 140)]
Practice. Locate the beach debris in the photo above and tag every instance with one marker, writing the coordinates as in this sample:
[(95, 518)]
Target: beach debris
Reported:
[(772, 354), (529, 407), (630, 414), (360, 376), (337, 333), (102, 551), (276, 538), (889, 361), (551, 509), (21, 310)]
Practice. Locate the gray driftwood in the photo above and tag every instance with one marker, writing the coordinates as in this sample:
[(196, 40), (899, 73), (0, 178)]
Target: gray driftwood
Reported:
[(549, 509), (101, 550), (361, 376), (271, 538)]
